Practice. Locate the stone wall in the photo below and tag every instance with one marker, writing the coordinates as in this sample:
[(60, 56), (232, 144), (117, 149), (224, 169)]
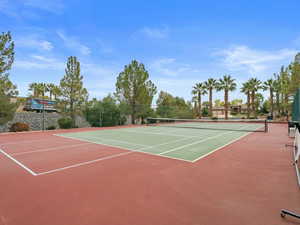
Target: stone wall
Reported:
[(35, 120)]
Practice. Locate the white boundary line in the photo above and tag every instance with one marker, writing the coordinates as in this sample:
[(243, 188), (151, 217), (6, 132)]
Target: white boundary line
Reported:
[(21, 142), (219, 148), (165, 143), (166, 134), (195, 142), (125, 142), (84, 163), (120, 154), (131, 150), (18, 163), (51, 149)]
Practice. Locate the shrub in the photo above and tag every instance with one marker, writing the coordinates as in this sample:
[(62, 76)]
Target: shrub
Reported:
[(51, 127), (214, 118), (65, 123), (234, 113), (17, 127)]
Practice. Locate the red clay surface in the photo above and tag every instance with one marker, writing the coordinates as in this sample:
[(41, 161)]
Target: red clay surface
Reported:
[(247, 182)]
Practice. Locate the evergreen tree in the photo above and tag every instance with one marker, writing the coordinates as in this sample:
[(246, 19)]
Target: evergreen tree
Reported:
[(198, 90), (227, 84), (246, 89), (270, 85), (7, 53), (73, 92), (134, 87), (7, 88), (210, 85), (254, 85)]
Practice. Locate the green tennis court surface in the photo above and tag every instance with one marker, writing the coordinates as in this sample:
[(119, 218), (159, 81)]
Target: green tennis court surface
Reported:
[(174, 142)]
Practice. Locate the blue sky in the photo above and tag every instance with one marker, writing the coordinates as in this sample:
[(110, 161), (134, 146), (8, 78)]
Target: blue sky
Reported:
[(180, 42)]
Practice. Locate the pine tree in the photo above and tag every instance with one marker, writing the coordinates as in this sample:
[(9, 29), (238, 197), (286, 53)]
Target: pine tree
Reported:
[(73, 92), (135, 89), (7, 88)]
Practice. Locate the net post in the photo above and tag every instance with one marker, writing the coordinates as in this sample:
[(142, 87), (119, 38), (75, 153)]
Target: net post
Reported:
[(147, 121), (266, 126)]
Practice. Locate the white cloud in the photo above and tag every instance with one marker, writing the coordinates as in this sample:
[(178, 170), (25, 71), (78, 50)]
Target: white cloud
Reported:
[(39, 62), (253, 61), (104, 47), (74, 44), (169, 67), (34, 42), (53, 6), (8, 8), (158, 33), (100, 80), (27, 8), (152, 33)]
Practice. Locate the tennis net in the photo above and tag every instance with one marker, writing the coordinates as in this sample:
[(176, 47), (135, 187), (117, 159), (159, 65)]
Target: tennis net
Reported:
[(220, 124)]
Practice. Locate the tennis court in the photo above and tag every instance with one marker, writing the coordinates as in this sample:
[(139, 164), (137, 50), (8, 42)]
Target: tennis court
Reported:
[(148, 174), (188, 141)]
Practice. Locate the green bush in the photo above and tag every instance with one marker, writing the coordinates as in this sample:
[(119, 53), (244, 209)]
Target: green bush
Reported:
[(17, 127), (65, 123), (51, 127)]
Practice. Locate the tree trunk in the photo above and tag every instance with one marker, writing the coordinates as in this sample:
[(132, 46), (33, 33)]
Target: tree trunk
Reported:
[(199, 105), (271, 103), (226, 104), (248, 104), (286, 103), (72, 113), (278, 102), (253, 103), (282, 103), (133, 114), (210, 103), (195, 108)]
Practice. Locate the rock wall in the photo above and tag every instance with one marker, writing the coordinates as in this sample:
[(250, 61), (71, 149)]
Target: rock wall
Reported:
[(35, 120)]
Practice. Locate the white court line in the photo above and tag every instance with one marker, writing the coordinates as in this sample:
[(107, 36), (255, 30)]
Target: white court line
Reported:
[(165, 134), (84, 163), (101, 139), (51, 149), (141, 151), (221, 147), (165, 143), (19, 163), (121, 147), (197, 142), (21, 142)]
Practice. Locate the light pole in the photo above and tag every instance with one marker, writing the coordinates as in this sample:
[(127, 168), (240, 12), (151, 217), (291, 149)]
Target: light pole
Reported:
[(43, 125)]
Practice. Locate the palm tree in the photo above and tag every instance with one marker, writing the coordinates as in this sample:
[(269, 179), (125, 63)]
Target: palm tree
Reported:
[(56, 91), (50, 88), (194, 100), (246, 89), (210, 85), (285, 89), (255, 85), (34, 88), (270, 85), (277, 90), (43, 89), (199, 90), (227, 84)]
